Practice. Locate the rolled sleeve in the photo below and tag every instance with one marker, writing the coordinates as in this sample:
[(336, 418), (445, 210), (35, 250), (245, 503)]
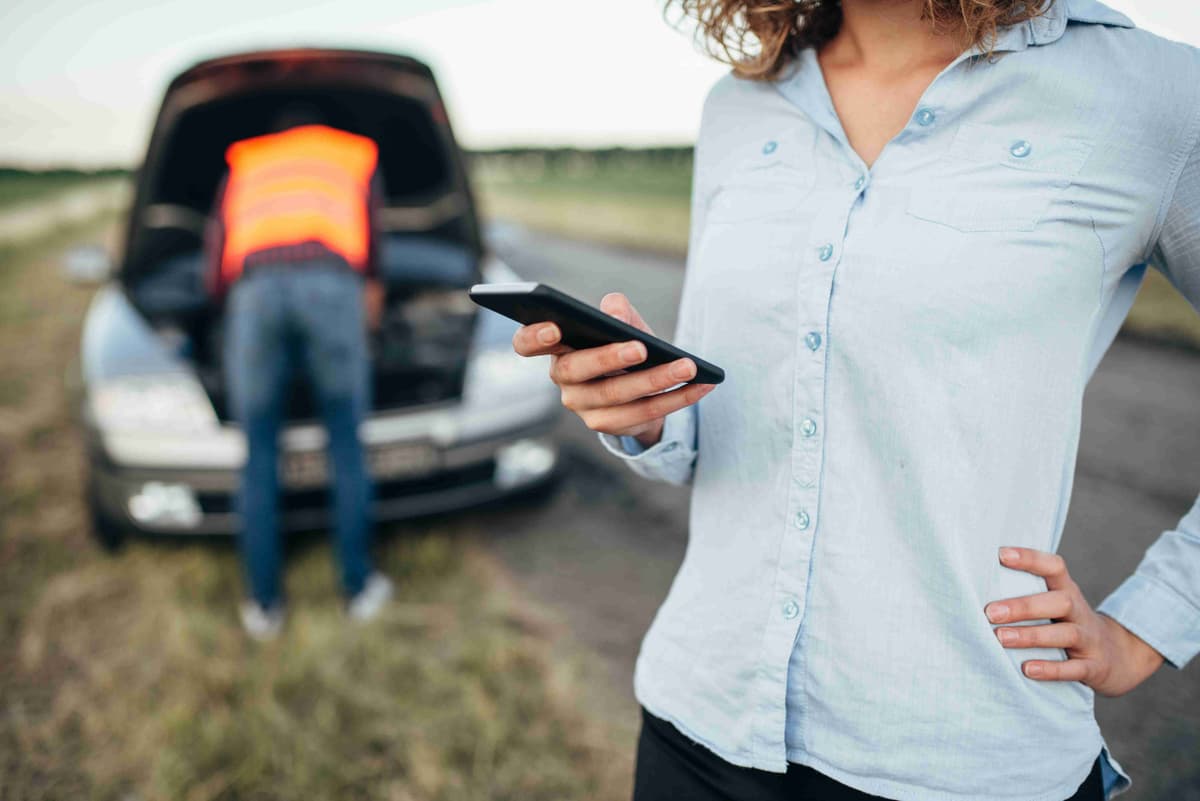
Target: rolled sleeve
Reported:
[(1160, 602), (671, 459)]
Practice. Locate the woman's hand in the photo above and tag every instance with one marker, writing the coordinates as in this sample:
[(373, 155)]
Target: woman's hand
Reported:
[(1101, 652), (595, 386)]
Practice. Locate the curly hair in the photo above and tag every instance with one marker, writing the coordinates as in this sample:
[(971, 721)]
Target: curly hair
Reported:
[(758, 38)]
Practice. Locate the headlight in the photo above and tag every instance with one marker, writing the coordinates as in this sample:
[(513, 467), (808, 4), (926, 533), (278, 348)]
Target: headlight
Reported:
[(170, 402), (501, 374)]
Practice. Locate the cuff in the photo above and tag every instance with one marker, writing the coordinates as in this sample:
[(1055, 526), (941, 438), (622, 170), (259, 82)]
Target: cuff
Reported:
[(671, 459), (1167, 621)]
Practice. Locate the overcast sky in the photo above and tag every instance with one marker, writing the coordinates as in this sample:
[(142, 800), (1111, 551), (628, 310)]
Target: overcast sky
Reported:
[(80, 80)]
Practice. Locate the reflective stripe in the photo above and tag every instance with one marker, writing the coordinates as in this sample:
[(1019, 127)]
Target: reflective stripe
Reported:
[(306, 184)]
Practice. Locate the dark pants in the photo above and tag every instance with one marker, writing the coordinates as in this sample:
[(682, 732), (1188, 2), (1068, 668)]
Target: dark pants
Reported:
[(670, 767), (307, 317)]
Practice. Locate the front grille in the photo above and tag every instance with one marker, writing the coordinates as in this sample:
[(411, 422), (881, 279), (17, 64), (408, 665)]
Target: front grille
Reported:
[(481, 472)]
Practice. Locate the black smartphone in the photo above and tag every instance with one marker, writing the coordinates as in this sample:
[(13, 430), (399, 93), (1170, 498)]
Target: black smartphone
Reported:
[(582, 326)]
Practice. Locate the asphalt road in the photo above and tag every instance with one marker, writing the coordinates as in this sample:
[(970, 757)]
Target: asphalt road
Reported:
[(603, 551)]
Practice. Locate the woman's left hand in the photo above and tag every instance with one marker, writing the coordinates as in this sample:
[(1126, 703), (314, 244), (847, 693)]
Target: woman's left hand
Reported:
[(1101, 652)]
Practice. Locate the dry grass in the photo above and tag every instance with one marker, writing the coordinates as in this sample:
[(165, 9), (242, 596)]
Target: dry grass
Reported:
[(129, 677), (643, 222)]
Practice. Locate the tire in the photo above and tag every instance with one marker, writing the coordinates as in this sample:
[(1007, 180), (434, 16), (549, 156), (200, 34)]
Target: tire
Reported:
[(109, 534)]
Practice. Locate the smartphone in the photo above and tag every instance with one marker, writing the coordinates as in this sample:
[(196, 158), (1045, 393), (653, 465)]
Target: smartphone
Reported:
[(583, 326)]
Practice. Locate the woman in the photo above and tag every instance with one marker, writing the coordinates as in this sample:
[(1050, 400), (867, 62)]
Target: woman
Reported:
[(917, 225)]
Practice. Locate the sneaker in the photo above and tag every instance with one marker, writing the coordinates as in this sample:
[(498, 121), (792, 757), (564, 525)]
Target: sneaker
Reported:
[(369, 602), (261, 624)]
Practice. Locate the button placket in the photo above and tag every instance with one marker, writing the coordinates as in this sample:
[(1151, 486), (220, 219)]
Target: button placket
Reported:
[(790, 590)]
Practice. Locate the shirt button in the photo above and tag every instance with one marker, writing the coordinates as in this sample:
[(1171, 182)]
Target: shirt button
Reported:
[(925, 116), (802, 520), (813, 340), (1020, 148), (790, 610), (808, 427), (770, 147), (860, 183), (825, 252)]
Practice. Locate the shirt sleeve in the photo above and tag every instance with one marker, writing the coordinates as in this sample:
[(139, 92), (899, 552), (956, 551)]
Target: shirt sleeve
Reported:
[(1160, 602), (673, 458)]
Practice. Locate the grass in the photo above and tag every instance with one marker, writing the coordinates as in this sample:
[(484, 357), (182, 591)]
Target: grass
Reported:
[(18, 187), (128, 677), (646, 206)]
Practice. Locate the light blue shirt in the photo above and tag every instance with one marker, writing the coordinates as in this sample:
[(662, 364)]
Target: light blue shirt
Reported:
[(907, 348)]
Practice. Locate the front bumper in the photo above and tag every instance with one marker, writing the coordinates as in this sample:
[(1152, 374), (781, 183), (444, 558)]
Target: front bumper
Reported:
[(422, 462)]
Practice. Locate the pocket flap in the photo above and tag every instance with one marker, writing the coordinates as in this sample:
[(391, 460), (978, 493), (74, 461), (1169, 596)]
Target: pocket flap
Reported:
[(1021, 150)]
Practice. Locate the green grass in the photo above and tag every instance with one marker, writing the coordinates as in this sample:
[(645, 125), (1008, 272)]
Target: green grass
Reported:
[(646, 205), (129, 676), (23, 186)]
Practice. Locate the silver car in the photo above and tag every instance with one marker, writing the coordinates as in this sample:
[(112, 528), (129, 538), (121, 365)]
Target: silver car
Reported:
[(456, 419)]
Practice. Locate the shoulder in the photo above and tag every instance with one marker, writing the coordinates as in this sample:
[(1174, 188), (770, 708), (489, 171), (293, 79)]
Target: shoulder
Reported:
[(739, 109), (731, 94), (1105, 41), (1098, 62)]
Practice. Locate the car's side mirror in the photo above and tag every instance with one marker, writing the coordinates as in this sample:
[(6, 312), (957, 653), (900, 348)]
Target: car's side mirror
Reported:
[(87, 265)]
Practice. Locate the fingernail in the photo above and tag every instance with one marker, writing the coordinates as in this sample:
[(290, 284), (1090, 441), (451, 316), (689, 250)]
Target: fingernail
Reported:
[(1033, 670), (1006, 635), (997, 612), (681, 369), (1009, 554), (548, 335), (632, 353)]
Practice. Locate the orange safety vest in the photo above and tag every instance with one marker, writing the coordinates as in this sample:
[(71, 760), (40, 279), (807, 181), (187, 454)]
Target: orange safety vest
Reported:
[(305, 184)]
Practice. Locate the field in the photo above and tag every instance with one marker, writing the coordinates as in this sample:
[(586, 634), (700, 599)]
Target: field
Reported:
[(20, 187), (641, 202), (128, 677)]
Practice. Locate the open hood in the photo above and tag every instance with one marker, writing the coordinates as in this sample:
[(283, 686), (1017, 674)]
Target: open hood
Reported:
[(391, 99)]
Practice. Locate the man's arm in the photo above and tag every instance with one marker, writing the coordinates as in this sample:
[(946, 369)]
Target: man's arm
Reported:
[(374, 292), (214, 244)]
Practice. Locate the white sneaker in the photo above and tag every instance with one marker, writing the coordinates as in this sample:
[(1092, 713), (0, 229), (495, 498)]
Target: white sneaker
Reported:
[(261, 624), (371, 599)]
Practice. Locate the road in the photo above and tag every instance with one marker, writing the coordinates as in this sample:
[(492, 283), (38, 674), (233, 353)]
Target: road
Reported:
[(602, 553)]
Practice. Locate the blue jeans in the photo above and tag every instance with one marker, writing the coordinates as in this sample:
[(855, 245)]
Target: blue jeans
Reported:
[(308, 317)]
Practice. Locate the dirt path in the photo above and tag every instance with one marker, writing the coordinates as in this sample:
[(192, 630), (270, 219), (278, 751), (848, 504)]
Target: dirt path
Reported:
[(605, 550)]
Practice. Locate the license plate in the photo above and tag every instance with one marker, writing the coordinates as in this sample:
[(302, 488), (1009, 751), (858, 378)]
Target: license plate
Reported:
[(401, 460)]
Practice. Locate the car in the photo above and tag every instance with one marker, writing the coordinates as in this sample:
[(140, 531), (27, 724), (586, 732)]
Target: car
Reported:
[(457, 418)]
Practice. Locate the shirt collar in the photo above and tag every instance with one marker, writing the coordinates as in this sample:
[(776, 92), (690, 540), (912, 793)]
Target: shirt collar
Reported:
[(803, 85), (1050, 25)]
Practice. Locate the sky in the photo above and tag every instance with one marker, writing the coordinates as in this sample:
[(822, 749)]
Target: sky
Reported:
[(81, 80)]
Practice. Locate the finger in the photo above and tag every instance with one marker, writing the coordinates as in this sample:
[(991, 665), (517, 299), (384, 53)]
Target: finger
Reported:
[(1052, 605), (1050, 635), (538, 339), (628, 387), (584, 365), (1069, 670), (618, 306), (618, 419), (1049, 566)]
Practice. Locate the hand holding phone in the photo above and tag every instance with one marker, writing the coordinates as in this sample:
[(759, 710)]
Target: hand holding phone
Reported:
[(597, 385)]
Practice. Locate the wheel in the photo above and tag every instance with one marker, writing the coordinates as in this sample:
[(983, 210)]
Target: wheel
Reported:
[(108, 533)]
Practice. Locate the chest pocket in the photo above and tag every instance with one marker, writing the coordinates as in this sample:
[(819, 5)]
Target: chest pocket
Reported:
[(996, 178), (766, 180)]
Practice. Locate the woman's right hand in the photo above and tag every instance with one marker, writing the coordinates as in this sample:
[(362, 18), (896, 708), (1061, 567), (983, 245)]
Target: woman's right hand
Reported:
[(595, 386)]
